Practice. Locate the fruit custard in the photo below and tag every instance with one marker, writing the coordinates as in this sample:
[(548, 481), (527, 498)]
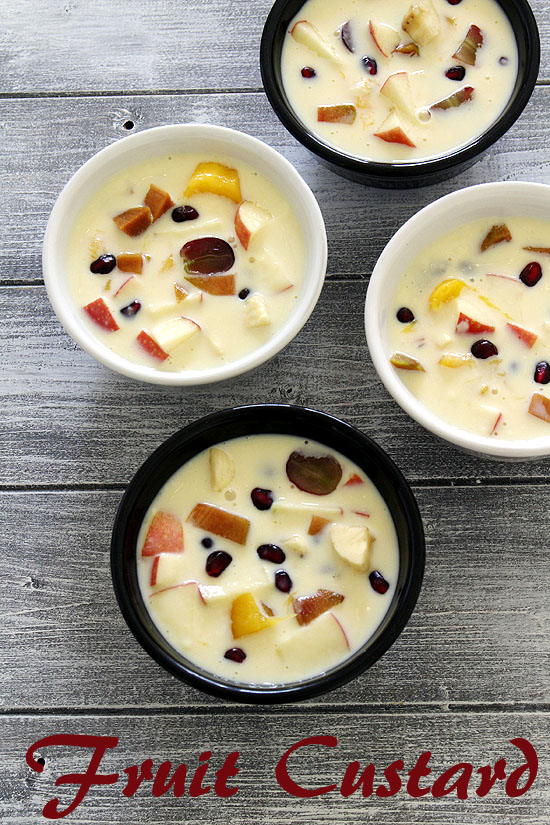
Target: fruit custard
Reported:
[(401, 81), (268, 559), (186, 263), (470, 327)]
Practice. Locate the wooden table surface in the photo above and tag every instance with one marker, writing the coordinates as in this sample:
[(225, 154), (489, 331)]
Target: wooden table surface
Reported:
[(471, 670)]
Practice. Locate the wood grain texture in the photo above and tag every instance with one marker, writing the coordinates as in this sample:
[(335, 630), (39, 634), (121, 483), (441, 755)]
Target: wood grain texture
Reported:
[(368, 737), (47, 140), (479, 634)]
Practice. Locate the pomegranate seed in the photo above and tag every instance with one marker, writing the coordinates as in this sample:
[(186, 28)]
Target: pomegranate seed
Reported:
[(370, 65), (217, 562), (261, 499), (272, 553), (308, 72), (235, 654), (283, 582), (207, 542), (456, 73), (454, 2), (503, 61), (131, 309), (244, 293), (483, 349), (184, 213), (542, 372), (531, 274), (405, 315), (378, 582), (103, 265)]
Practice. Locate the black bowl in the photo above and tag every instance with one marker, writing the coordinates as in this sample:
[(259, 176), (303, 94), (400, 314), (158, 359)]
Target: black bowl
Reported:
[(267, 418), (400, 175)]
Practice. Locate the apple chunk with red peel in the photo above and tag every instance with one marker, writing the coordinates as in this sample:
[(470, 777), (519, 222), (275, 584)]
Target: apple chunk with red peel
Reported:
[(339, 113), (182, 610), (309, 36), (456, 99), (168, 570), (392, 131), (540, 406), (172, 334), (222, 469), (353, 480), (220, 522), (524, 335), (308, 646), (165, 535), (421, 22), (467, 50), (352, 544), (385, 37), (150, 346), (397, 88), (307, 608), (100, 313), (249, 219), (465, 325)]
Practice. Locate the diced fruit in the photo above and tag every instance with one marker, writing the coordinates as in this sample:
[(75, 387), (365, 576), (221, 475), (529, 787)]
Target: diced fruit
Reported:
[(217, 562), (339, 113), (158, 201), (370, 64), (220, 522), (297, 544), (308, 72), (456, 73), (103, 265), (150, 346), (397, 88), (466, 52), (309, 36), (446, 291), (543, 250), (272, 553), (99, 312), (410, 49), (540, 407), (542, 373), (404, 315), (456, 359), (290, 508), (247, 618), (483, 349), (235, 654), (249, 219), (173, 333), (352, 544), (454, 100), (317, 524), (181, 608), (180, 292), (307, 608), (271, 273), (465, 325), (205, 256), (391, 130), (123, 284), (165, 535), (170, 569), (222, 469), (421, 22), (134, 221), (346, 36), (168, 263), (229, 587), (283, 582), (215, 178), (531, 274), (307, 646), (524, 335), (181, 214), (319, 475), (496, 234), (386, 37), (353, 481), (261, 499), (131, 309), (405, 362), (130, 262), (256, 311), (213, 284), (378, 582)]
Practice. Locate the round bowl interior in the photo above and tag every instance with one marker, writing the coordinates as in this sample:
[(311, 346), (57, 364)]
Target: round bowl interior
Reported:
[(250, 420), (395, 175), (442, 216), (208, 141)]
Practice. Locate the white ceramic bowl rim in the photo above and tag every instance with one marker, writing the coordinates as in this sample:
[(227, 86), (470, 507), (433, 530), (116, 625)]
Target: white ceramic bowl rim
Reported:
[(155, 142), (501, 198)]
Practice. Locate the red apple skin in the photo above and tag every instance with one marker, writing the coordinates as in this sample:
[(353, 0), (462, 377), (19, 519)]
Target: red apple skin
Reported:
[(241, 230), (396, 135), (150, 346), (495, 425), (154, 571), (99, 312), (123, 284), (183, 584), (361, 513), (165, 535), (465, 324), (339, 623), (354, 479), (524, 335)]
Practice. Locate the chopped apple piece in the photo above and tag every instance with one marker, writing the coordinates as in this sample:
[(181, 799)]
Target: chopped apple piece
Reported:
[(271, 273), (220, 522), (410, 49), (317, 524), (123, 284), (134, 221), (150, 346), (287, 508), (309, 36), (467, 50), (405, 362), (215, 178), (169, 570), (256, 311), (446, 291), (352, 544), (385, 37), (421, 22), (297, 544), (456, 359), (180, 292), (182, 610), (456, 99), (309, 645), (307, 608), (249, 219), (397, 88), (130, 262), (172, 334), (247, 618), (524, 335), (165, 535), (353, 481), (540, 406), (256, 581), (392, 131), (465, 325), (213, 284), (222, 469), (338, 113), (158, 201), (496, 234), (99, 312)]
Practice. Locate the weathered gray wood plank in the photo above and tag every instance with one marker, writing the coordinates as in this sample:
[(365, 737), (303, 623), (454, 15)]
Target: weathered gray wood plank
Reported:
[(68, 420), (81, 46), (47, 140), (368, 737), (479, 634)]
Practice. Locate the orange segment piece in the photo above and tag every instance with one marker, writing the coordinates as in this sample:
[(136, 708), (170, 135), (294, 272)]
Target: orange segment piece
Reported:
[(317, 524), (165, 535), (246, 616), (220, 522), (213, 284), (158, 200), (445, 292), (134, 221), (215, 178)]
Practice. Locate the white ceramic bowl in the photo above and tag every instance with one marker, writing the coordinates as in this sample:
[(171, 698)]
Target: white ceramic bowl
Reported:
[(162, 140), (440, 217)]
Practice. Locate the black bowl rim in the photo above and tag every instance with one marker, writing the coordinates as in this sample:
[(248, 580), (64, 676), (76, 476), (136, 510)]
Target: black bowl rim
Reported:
[(342, 673), (421, 169)]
